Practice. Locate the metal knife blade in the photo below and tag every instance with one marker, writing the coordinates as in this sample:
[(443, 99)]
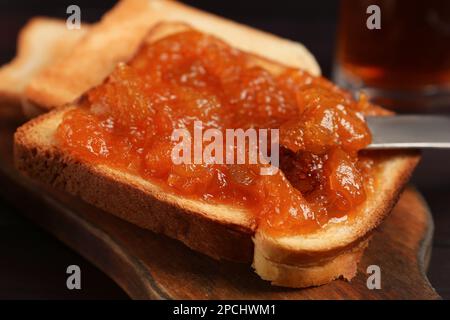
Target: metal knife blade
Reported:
[(409, 131)]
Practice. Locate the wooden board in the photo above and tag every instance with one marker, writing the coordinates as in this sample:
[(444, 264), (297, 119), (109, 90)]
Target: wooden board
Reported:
[(150, 266)]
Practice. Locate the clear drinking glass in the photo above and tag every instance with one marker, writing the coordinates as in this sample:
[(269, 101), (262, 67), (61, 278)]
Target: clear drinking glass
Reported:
[(405, 64)]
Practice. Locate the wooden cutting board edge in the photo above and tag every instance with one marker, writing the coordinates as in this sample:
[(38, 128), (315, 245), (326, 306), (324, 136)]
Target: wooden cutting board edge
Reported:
[(426, 243), (129, 272)]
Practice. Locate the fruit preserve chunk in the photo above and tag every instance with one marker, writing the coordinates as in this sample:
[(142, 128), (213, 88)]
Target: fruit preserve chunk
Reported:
[(127, 123)]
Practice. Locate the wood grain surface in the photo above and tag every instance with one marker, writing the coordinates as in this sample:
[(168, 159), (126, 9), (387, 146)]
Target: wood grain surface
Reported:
[(150, 266)]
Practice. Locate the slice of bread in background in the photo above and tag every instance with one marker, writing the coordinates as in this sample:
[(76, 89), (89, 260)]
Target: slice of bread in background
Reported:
[(41, 42), (118, 35), (219, 231)]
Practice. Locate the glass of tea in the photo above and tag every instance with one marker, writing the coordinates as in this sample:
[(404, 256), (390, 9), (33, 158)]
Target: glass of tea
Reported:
[(397, 51)]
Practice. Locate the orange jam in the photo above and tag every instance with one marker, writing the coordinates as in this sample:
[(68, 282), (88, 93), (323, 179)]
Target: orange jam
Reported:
[(127, 123)]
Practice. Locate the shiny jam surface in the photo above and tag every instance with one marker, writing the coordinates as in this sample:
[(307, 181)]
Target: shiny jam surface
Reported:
[(127, 123)]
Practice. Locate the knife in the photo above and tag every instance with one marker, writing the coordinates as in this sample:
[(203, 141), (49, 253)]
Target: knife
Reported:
[(409, 131)]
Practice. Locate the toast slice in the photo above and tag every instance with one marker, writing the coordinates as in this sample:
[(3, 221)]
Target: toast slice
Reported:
[(41, 42), (220, 231), (118, 35)]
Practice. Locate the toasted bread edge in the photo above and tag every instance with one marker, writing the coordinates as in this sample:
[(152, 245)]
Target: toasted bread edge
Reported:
[(54, 42), (47, 164), (123, 28), (284, 264)]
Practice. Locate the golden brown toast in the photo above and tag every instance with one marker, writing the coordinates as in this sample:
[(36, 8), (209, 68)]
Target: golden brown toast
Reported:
[(118, 35), (220, 231), (41, 42)]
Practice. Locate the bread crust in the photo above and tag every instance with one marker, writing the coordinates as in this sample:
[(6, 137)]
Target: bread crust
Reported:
[(132, 202), (118, 35), (303, 265), (394, 171), (342, 265), (41, 42)]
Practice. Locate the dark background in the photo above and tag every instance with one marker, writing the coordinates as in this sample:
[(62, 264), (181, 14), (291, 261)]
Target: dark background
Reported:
[(33, 263)]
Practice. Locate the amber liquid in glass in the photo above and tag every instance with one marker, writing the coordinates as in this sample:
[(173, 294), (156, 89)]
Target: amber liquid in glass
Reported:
[(405, 65)]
